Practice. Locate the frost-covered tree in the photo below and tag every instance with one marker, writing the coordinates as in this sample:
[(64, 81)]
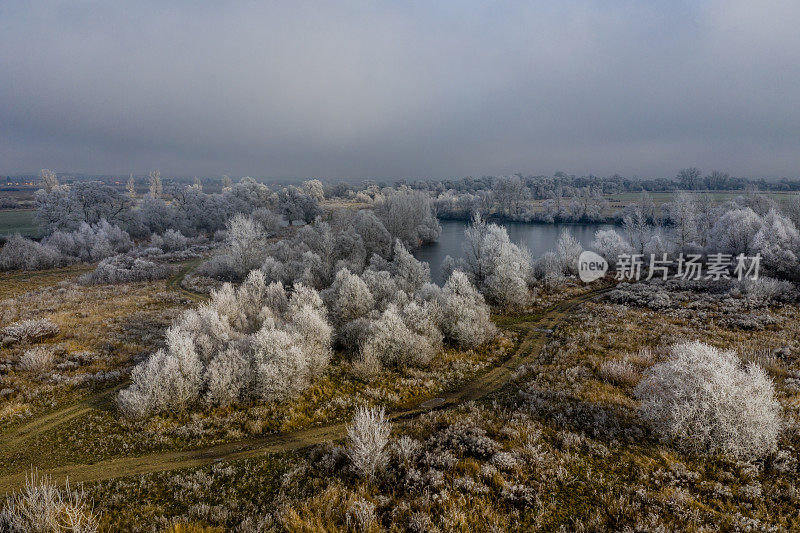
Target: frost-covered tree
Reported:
[(690, 178), (393, 341), (637, 229), (509, 191), (66, 207), (348, 297), (734, 232), (706, 216), (296, 204), (683, 214), (410, 274), (156, 215), (568, 250), (549, 270), (374, 235), (610, 244), (408, 216), (705, 401), (254, 342), (155, 186), (54, 209), (270, 222), (248, 195), (131, 187), (464, 313), (367, 440), (174, 240), (778, 242), (19, 253), (496, 266), (314, 189), (245, 240), (90, 242), (49, 180)]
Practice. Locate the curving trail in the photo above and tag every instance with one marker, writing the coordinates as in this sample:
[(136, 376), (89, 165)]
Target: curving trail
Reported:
[(175, 282), (536, 330), (17, 435)]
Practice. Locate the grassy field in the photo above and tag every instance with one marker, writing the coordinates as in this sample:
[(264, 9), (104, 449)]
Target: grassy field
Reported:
[(18, 221)]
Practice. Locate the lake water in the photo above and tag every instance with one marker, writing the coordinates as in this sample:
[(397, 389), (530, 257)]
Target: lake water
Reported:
[(539, 238)]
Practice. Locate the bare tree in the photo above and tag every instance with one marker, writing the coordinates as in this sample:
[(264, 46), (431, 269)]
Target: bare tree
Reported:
[(49, 179), (156, 187), (131, 187)]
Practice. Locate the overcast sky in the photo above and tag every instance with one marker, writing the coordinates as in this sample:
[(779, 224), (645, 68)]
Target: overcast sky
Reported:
[(400, 89)]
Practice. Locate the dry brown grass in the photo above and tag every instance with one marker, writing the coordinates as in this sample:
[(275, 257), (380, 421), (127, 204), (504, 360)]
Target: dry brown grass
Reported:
[(13, 284)]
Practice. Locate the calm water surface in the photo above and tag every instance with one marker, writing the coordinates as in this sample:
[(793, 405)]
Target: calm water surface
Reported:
[(539, 238)]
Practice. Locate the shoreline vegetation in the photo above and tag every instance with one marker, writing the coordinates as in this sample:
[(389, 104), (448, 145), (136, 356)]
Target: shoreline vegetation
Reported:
[(247, 358)]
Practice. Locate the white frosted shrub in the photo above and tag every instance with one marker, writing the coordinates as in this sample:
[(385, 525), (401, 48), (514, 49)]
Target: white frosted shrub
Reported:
[(125, 269), (498, 268), (610, 244), (408, 215), (465, 315), (705, 401), (37, 359), (41, 506), (410, 273), (91, 242), (765, 290), (348, 298), (269, 221), (254, 342), (367, 440), (245, 241), (549, 270), (281, 368), (778, 242), (19, 253), (29, 330), (422, 319), (314, 336), (147, 393), (735, 231), (507, 287), (393, 343), (174, 240), (381, 285), (228, 376), (568, 249)]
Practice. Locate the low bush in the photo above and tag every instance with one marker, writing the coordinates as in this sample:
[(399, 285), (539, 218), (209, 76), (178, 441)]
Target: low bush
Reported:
[(621, 372), (254, 342), (125, 269), (37, 359), (367, 438), (44, 507), (20, 253), (29, 330), (705, 401)]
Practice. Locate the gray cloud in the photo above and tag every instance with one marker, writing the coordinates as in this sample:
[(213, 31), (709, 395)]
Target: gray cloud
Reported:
[(400, 89)]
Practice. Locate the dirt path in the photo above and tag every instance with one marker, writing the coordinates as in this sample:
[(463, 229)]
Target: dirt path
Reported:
[(536, 332), (16, 436), (175, 282)]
